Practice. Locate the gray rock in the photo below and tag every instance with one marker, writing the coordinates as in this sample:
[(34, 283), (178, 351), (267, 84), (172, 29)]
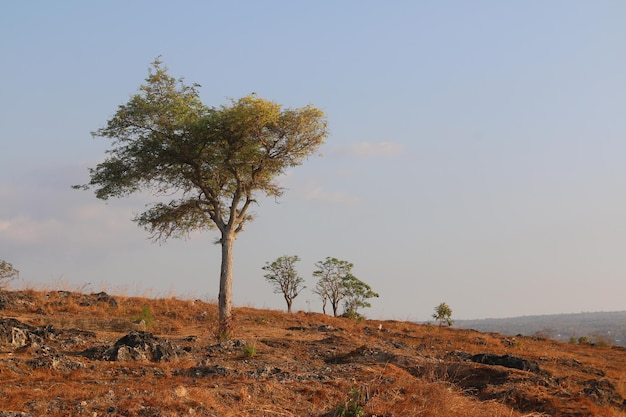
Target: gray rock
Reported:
[(141, 346), (507, 361)]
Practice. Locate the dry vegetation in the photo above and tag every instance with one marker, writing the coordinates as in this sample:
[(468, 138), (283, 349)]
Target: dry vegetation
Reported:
[(278, 364)]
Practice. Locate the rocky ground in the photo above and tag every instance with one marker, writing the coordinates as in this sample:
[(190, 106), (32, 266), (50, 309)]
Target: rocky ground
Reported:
[(66, 353)]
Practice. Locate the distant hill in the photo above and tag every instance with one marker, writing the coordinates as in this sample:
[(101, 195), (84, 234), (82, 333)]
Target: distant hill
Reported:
[(601, 327)]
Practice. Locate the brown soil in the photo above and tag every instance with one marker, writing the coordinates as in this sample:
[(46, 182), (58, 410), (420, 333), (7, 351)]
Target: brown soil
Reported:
[(70, 354)]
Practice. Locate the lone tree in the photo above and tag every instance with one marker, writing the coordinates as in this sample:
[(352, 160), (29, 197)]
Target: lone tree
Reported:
[(357, 293), (283, 276), (336, 283), (443, 314), (7, 274), (212, 162)]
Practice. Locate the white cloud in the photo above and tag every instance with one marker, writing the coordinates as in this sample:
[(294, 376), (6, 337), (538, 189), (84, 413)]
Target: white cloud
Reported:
[(370, 149)]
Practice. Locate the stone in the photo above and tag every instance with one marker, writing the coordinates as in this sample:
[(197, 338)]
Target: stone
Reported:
[(141, 346), (507, 361)]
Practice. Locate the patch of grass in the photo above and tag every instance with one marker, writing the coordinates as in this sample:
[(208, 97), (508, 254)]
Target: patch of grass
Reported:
[(146, 316), (262, 320), (249, 351), (353, 407)]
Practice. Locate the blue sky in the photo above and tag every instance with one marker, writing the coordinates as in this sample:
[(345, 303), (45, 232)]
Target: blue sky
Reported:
[(476, 154)]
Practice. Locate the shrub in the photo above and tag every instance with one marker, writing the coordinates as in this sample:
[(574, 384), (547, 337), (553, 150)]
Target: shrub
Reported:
[(145, 316), (443, 314), (354, 404), (249, 351)]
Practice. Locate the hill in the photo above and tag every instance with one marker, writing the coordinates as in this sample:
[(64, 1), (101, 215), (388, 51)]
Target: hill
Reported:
[(66, 353), (600, 327)]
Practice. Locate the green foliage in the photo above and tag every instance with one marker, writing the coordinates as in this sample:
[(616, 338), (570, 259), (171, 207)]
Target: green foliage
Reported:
[(249, 351), (353, 315), (353, 406), (213, 162), (443, 314), (283, 276), (145, 315), (7, 274), (356, 294), (336, 283), (598, 341)]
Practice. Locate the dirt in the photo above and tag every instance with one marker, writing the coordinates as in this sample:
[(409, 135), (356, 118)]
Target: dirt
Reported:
[(55, 361)]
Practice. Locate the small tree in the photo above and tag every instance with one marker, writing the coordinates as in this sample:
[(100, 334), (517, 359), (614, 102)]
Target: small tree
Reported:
[(283, 276), (7, 274), (356, 295), (443, 314), (329, 287)]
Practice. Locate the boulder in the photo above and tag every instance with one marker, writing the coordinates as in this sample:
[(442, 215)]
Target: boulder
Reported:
[(603, 392), (19, 334), (103, 297), (507, 361), (141, 346)]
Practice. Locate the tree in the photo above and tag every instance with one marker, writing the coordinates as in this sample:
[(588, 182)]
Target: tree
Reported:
[(443, 314), (283, 276), (356, 295), (336, 283), (329, 286), (212, 162), (7, 274)]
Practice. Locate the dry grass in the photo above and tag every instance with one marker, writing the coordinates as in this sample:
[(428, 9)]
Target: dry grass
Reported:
[(403, 370)]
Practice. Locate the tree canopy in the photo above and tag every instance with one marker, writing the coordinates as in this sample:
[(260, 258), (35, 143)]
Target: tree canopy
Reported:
[(210, 163), (336, 283), (356, 293), (443, 314), (283, 276), (7, 274)]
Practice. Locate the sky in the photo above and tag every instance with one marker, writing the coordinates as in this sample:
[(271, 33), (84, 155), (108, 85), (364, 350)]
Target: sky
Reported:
[(476, 153)]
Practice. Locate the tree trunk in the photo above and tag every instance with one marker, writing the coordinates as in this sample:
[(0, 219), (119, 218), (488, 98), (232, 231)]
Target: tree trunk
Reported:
[(289, 306), (225, 300)]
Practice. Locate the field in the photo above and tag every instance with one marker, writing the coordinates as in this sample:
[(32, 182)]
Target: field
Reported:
[(71, 354)]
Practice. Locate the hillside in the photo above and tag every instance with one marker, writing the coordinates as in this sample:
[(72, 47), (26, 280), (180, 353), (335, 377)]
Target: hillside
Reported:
[(71, 354), (605, 327)]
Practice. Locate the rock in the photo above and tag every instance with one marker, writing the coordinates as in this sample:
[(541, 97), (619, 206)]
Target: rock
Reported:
[(326, 328), (19, 337), (507, 361), (602, 392), (103, 297), (201, 371), (19, 334), (6, 330), (265, 372), (95, 352), (141, 346), (298, 328), (48, 357), (228, 346), (5, 300)]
